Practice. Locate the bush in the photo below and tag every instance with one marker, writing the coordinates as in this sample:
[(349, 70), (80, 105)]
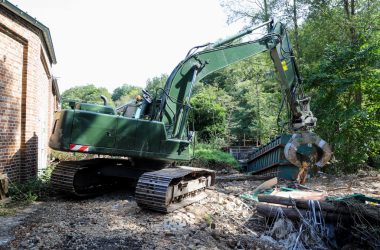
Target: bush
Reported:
[(33, 189)]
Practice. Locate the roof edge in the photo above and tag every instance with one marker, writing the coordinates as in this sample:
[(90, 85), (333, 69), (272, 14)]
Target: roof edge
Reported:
[(33, 21)]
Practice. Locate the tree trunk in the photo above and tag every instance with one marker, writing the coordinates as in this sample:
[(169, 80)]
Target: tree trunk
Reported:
[(298, 214), (345, 208), (296, 36)]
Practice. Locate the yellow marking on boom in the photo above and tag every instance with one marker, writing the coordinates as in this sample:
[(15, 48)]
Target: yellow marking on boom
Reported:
[(284, 66)]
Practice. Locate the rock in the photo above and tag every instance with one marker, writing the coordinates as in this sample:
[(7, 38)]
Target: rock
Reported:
[(215, 236), (231, 243), (191, 246)]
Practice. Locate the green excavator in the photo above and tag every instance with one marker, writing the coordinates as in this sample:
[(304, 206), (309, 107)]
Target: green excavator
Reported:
[(142, 139)]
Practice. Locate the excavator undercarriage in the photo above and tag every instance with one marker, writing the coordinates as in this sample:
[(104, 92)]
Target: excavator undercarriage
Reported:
[(158, 188)]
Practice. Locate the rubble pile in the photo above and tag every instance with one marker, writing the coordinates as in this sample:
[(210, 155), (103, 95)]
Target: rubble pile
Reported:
[(312, 219)]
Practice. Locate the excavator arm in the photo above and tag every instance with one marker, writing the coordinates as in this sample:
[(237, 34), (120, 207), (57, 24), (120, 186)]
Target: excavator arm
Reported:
[(175, 98)]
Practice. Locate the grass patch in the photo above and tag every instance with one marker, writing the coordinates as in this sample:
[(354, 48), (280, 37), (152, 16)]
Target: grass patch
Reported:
[(208, 219), (207, 155), (11, 208)]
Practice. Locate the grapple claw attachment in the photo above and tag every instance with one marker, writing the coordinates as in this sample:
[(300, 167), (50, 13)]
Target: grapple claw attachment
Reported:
[(323, 149)]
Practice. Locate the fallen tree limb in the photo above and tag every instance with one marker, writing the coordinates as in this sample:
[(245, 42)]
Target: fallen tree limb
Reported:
[(297, 214), (340, 207), (337, 208)]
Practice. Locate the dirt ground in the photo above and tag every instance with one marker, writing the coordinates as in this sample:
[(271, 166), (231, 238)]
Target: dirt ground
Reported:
[(114, 221)]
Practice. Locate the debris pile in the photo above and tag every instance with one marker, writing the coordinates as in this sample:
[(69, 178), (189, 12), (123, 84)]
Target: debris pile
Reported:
[(310, 219)]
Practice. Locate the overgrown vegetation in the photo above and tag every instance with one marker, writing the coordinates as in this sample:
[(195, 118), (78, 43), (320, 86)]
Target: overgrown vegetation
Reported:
[(33, 189), (24, 193)]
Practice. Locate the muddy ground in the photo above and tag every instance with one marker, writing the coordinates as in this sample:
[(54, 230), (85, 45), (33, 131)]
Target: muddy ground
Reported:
[(114, 221)]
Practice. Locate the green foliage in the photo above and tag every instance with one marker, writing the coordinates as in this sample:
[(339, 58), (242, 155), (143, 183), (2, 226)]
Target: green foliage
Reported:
[(209, 113), (125, 93), (251, 96), (33, 189), (152, 85), (341, 68), (208, 219), (208, 154), (347, 108), (87, 93)]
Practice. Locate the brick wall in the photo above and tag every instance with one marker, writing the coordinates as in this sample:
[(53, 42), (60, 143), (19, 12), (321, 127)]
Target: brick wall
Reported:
[(27, 100)]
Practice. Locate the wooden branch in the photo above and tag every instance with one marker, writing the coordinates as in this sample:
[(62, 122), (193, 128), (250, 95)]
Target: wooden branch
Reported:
[(352, 209), (297, 214), (304, 204)]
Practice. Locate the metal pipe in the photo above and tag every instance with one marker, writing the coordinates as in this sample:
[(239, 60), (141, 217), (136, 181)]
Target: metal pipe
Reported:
[(105, 101)]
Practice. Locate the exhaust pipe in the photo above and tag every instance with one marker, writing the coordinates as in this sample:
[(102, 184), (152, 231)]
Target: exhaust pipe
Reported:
[(105, 101)]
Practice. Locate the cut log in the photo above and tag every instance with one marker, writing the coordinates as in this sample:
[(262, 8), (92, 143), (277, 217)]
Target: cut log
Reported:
[(370, 213), (300, 194), (338, 208), (297, 214)]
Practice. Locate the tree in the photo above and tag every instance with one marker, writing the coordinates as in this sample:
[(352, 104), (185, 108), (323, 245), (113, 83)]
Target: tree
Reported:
[(87, 93), (154, 84), (251, 96), (209, 114), (124, 90), (341, 48)]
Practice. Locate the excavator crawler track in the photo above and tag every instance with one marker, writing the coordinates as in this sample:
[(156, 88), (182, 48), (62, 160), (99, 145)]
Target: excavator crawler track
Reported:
[(80, 178), (62, 177), (169, 189), (164, 190)]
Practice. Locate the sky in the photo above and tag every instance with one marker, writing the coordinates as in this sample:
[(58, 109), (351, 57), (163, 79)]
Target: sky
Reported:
[(115, 42)]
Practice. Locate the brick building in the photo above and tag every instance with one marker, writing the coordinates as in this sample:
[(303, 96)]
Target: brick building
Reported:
[(28, 93)]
